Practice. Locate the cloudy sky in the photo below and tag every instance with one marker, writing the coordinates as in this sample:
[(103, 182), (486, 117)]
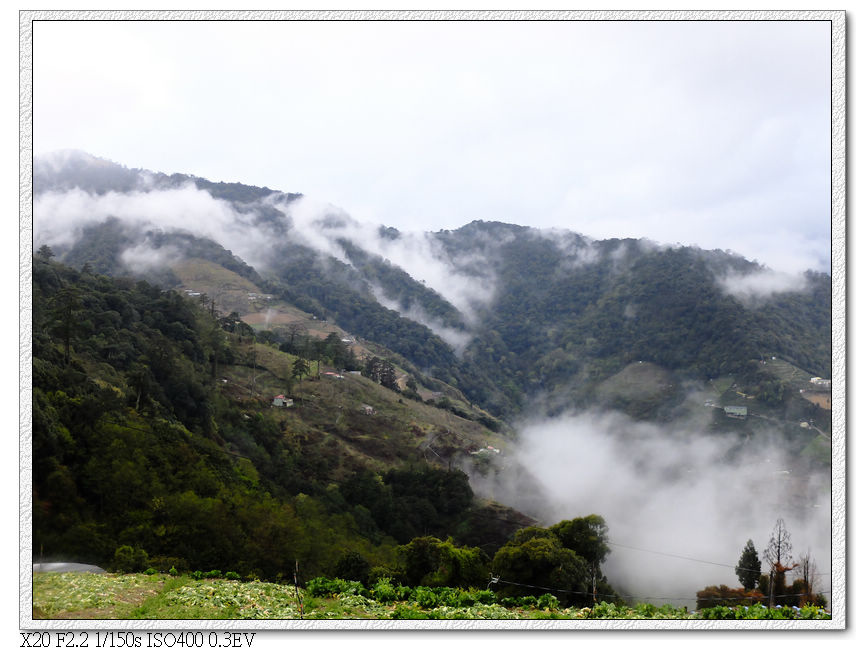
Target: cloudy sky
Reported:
[(708, 133)]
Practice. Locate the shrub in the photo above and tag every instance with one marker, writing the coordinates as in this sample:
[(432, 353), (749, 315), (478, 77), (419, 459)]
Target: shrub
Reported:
[(324, 587), (231, 575), (485, 597), (723, 595), (129, 560), (607, 610), (465, 599), (547, 601), (173, 572), (425, 597), (508, 601), (384, 592), (353, 566), (216, 573)]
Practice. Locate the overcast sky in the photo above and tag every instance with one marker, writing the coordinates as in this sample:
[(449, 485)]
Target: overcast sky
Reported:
[(711, 133)]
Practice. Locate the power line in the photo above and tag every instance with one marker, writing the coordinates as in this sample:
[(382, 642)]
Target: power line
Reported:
[(692, 559), (680, 557)]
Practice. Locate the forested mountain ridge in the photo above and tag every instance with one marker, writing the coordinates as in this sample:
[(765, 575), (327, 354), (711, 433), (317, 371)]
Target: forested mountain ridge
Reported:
[(523, 317), (155, 428)]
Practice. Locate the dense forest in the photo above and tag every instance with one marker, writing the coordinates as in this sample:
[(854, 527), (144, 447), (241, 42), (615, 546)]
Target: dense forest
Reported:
[(141, 460)]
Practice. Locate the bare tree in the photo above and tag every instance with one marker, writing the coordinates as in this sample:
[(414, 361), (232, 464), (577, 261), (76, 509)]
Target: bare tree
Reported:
[(778, 555), (808, 572)]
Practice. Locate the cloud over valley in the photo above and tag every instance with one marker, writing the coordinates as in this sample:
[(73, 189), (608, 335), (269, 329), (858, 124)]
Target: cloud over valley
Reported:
[(665, 490)]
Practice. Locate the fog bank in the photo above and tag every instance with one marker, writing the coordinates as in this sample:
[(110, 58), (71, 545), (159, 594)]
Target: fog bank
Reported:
[(665, 489)]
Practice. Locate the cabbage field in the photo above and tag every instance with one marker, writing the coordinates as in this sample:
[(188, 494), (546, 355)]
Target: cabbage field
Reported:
[(162, 597)]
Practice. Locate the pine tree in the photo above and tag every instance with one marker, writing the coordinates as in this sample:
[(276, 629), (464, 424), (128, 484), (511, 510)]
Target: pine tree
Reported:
[(748, 569), (45, 252)]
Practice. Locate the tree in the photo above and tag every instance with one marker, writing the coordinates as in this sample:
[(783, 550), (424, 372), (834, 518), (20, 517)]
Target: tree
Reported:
[(387, 376), (300, 368), (372, 368), (536, 557), (808, 580), (748, 569), (429, 561), (45, 252), (66, 314), (778, 555), (587, 537), (352, 566)]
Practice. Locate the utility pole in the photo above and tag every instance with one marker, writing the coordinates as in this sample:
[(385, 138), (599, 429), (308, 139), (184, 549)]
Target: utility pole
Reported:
[(297, 591)]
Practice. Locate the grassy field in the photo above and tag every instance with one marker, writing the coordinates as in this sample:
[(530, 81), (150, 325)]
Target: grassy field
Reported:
[(163, 597)]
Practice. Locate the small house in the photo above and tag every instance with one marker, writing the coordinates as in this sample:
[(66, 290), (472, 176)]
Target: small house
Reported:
[(738, 412), (821, 384), (282, 401)]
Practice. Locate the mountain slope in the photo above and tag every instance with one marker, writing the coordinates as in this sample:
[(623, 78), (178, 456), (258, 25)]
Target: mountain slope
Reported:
[(512, 317), (154, 428)]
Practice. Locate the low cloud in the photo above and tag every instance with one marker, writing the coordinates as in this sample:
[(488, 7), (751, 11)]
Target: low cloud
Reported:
[(576, 250), (664, 489), (60, 217), (754, 287), (321, 225), (143, 258), (457, 339)]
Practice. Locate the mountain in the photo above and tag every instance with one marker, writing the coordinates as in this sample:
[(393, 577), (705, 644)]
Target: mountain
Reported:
[(156, 427), (458, 384), (511, 316)]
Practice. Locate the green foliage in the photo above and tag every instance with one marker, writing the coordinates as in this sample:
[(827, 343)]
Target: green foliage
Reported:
[(748, 568), (761, 612), (384, 592), (547, 601), (325, 587), (129, 560), (377, 573), (405, 503), (380, 371), (432, 562), (537, 557), (353, 566), (606, 609), (585, 536), (57, 595), (134, 446)]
